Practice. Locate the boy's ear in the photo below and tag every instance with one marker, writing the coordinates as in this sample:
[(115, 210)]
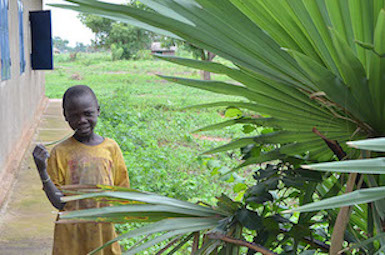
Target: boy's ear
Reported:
[(98, 110)]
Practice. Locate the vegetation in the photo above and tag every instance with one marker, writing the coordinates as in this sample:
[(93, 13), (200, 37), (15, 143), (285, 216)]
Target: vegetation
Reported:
[(146, 116), (124, 41), (62, 45), (313, 70)]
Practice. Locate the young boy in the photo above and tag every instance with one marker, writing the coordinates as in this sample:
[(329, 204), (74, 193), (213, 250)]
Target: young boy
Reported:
[(84, 159)]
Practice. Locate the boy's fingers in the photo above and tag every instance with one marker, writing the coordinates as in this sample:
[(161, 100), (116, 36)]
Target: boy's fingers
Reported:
[(40, 152), (39, 148)]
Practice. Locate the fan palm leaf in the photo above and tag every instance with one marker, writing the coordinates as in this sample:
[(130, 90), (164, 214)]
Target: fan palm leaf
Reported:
[(166, 216)]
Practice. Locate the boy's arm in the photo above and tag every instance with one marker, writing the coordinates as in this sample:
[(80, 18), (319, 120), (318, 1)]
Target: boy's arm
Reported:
[(40, 155)]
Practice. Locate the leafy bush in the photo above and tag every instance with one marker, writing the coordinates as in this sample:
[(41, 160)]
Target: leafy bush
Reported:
[(116, 52)]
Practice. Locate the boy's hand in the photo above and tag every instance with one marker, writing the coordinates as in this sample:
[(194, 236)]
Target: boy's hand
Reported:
[(40, 155)]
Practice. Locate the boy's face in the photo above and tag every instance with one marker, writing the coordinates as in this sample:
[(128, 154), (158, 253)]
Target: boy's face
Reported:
[(82, 113)]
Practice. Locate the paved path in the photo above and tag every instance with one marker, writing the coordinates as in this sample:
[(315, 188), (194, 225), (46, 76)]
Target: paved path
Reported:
[(26, 219)]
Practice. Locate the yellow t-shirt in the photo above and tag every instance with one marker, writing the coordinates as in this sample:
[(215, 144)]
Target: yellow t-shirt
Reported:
[(74, 163)]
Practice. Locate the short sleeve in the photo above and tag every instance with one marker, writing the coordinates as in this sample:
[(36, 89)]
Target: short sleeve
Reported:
[(53, 170), (120, 169)]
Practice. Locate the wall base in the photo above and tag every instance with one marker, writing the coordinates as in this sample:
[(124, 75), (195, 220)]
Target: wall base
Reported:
[(12, 164)]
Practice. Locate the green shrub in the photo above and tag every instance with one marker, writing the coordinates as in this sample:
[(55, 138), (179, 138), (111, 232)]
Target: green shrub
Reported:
[(116, 52)]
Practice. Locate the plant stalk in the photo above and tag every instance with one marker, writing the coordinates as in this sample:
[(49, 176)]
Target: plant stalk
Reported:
[(253, 246), (342, 220)]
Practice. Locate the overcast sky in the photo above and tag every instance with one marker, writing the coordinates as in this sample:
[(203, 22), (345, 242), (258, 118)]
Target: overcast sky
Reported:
[(66, 24)]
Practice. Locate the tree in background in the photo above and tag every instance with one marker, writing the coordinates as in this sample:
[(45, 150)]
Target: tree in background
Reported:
[(122, 39), (60, 44), (99, 26), (80, 47)]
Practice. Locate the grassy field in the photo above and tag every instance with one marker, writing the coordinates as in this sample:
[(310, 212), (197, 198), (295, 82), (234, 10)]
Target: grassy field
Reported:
[(146, 116)]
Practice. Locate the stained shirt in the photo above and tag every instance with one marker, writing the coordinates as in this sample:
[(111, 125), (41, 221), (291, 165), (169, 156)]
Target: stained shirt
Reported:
[(74, 163)]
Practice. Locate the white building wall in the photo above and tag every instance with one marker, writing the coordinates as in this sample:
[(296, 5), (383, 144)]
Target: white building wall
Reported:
[(22, 96)]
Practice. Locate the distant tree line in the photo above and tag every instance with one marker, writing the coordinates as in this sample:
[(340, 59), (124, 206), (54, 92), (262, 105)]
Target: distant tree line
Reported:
[(62, 45)]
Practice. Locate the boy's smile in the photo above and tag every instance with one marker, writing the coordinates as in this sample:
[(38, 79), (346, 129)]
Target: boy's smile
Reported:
[(82, 113)]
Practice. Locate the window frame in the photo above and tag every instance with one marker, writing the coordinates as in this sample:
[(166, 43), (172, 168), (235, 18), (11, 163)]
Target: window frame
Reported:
[(4, 41), (20, 11)]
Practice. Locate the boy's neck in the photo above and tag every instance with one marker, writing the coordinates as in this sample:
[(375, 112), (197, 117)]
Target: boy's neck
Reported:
[(93, 139)]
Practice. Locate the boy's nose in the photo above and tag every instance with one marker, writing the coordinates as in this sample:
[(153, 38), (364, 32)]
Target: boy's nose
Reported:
[(82, 119)]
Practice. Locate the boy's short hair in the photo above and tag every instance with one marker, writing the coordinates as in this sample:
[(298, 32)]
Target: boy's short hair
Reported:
[(78, 91)]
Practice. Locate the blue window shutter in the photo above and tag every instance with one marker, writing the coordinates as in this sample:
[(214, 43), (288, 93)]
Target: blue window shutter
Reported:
[(41, 57), (21, 36), (4, 41)]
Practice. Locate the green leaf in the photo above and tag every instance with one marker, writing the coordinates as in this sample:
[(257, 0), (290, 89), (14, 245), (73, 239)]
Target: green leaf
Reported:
[(232, 145), (365, 166), (330, 84), (356, 197), (233, 112), (248, 129), (166, 236), (353, 74), (230, 123), (363, 26), (239, 187), (143, 197), (249, 219), (183, 225), (181, 243), (375, 144), (134, 210), (377, 69)]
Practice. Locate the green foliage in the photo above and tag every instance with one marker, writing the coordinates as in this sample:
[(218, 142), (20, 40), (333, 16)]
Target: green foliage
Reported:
[(63, 47), (99, 26), (125, 41), (146, 117), (116, 52), (161, 153), (60, 43), (129, 38)]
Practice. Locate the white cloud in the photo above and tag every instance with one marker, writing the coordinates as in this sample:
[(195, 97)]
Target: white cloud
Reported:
[(66, 24)]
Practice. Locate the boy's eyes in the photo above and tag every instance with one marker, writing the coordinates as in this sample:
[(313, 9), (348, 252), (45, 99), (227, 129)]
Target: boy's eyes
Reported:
[(75, 116)]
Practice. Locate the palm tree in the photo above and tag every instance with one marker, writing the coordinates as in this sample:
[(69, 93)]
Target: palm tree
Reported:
[(314, 67)]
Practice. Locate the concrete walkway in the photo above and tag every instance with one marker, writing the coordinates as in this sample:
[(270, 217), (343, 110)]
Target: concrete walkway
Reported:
[(27, 218)]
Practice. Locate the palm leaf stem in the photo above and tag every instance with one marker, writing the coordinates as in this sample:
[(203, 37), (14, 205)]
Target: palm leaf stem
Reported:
[(310, 241), (181, 243), (342, 220), (195, 244), (250, 245)]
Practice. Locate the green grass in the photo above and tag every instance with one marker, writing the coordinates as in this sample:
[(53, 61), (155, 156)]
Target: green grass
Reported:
[(146, 116)]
